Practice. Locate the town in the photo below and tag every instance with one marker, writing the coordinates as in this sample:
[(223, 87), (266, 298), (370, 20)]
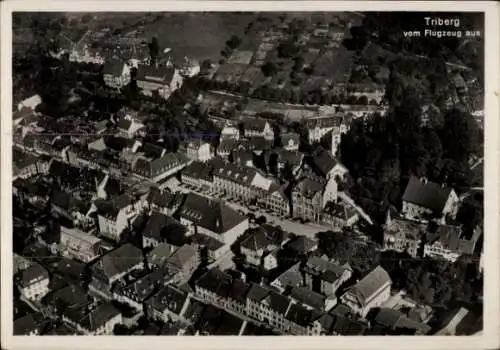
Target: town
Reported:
[(309, 175)]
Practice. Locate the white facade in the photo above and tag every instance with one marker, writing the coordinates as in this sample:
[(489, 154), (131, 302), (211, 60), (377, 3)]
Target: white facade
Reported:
[(37, 289), (375, 300), (201, 153)]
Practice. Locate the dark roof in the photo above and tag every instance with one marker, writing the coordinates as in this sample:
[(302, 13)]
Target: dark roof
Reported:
[(113, 67), (339, 210), (199, 170), (170, 298), (238, 290), (34, 273), (257, 293), (117, 261), (308, 297), (158, 75), (182, 256), (309, 188), (63, 329), (151, 150), (208, 242), (161, 253), (302, 245), (257, 240), (216, 281), (327, 270), (98, 317), (68, 297), (124, 124), (113, 187), (111, 208), (447, 235), (159, 225), (25, 325), (148, 168), (347, 326), (393, 320), (428, 195), (298, 315), (254, 124), (210, 214), (278, 302), (22, 159), (322, 161)]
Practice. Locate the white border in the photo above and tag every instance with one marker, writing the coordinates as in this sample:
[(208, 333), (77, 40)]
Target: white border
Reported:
[(490, 338)]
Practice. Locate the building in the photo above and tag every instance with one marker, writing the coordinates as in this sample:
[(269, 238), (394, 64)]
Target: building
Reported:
[(109, 187), (26, 325), (78, 244), (159, 228), (254, 127), (324, 165), (339, 215), (288, 279), (277, 200), (184, 261), (115, 215), (213, 288), (395, 322), (290, 141), (370, 292), (99, 321), (198, 175), (157, 258), (116, 74), (258, 245), (112, 266), (317, 128), (33, 282), (212, 218), (325, 277), (424, 199), (199, 150), (449, 243), (129, 127), (312, 300), (168, 304), (403, 235), (161, 80), (163, 201), (31, 103), (309, 197), (161, 168)]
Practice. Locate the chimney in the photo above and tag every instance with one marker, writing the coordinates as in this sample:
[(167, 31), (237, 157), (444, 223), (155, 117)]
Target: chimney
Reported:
[(423, 179)]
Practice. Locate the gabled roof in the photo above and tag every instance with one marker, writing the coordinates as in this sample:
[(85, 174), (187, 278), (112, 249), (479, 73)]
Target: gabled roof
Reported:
[(113, 67), (278, 302), (25, 325), (394, 320), (99, 317), (302, 245), (327, 270), (150, 168), (158, 75), (429, 195), (365, 289), (34, 273), (160, 254), (170, 298), (257, 293), (210, 214), (182, 256), (117, 261), (322, 161), (339, 210), (298, 315), (447, 235), (256, 241), (308, 297), (238, 291), (291, 277), (111, 208), (309, 188), (215, 281), (159, 224)]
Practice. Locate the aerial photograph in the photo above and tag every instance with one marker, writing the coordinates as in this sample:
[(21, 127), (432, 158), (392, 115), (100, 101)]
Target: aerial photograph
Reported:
[(247, 173)]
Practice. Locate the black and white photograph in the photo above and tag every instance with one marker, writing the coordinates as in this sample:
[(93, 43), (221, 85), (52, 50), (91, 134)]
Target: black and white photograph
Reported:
[(247, 173)]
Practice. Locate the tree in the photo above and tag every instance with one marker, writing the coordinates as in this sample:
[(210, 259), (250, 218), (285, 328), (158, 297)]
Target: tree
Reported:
[(261, 220), (154, 49), (269, 69), (233, 42), (287, 49)]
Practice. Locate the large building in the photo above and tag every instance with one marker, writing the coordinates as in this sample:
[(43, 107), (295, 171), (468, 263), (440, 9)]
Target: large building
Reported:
[(115, 215), (369, 293), (309, 198), (116, 74), (161, 80), (78, 244), (424, 199)]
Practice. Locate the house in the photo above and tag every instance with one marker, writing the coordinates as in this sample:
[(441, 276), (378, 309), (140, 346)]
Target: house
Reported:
[(212, 218), (339, 215), (293, 160), (312, 300), (277, 200), (199, 150), (448, 242), (116, 74), (26, 325), (403, 235), (162, 80), (99, 321), (210, 248), (236, 297), (129, 128), (184, 261), (110, 187), (24, 164), (301, 245), (325, 165), (137, 292), (213, 287), (168, 304), (288, 279), (254, 127), (324, 276), (160, 168), (254, 307), (159, 255), (275, 306), (115, 215), (190, 67), (317, 128), (199, 175), (79, 245), (424, 199), (31, 103), (33, 282), (19, 263), (290, 141), (163, 201), (310, 196), (370, 292), (229, 131), (112, 266), (67, 298), (256, 246), (395, 322), (297, 320), (158, 228)]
